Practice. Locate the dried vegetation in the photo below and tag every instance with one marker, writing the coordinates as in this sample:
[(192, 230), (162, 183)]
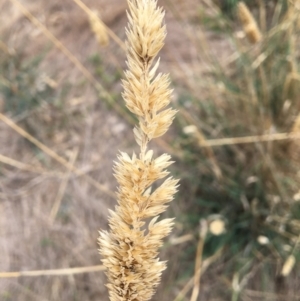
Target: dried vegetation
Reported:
[(235, 140)]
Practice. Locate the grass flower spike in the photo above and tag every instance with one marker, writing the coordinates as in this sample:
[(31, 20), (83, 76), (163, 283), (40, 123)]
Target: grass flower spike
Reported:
[(251, 29), (98, 28), (130, 249)]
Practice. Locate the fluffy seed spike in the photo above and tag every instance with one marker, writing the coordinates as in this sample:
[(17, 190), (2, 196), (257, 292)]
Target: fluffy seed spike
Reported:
[(129, 252), (250, 26)]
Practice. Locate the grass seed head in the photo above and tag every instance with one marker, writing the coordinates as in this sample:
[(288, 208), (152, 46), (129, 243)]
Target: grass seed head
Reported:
[(288, 265), (251, 30), (98, 28), (130, 254)]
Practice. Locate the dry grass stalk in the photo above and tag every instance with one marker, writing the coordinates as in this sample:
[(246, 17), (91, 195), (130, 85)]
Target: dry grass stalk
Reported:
[(62, 189), (204, 266), (57, 272), (182, 239), (295, 145), (262, 16), (130, 254), (22, 166), (54, 155), (198, 260), (198, 134), (98, 28), (251, 30), (251, 139)]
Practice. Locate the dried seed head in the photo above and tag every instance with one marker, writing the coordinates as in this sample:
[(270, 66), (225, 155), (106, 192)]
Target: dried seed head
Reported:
[(145, 94), (263, 240), (129, 252), (217, 227), (249, 24), (288, 265), (98, 28)]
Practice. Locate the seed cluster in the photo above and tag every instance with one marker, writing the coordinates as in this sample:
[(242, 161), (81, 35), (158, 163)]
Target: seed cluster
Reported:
[(130, 249)]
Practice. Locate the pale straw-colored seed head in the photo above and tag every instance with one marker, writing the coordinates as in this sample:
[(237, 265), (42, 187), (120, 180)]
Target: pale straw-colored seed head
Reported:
[(145, 94), (217, 227), (130, 248), (250, 26), (288, 265), (263, 240), (98, 28)]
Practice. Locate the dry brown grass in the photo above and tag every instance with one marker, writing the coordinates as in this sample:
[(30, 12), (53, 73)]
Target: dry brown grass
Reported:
[(29, 239)]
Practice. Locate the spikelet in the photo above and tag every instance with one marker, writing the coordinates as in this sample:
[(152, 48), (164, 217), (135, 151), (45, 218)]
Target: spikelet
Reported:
[(129, 251), (288, 266), (98, 28), (251, 30)]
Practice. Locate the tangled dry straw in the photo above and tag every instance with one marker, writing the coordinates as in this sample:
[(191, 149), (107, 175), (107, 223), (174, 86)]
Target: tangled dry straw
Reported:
[(130, 249)]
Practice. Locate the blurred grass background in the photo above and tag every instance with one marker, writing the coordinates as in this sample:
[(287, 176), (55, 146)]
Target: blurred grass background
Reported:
[(63, 120)]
